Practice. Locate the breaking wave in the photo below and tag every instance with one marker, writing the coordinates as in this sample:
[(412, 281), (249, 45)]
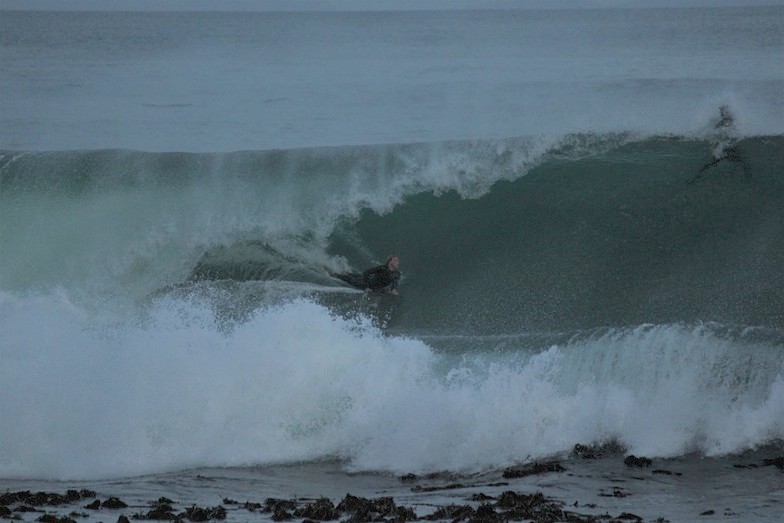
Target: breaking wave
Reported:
[(168, 310)]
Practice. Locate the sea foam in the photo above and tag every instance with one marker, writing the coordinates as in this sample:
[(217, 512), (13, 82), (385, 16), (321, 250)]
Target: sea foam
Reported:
[(172, 389)]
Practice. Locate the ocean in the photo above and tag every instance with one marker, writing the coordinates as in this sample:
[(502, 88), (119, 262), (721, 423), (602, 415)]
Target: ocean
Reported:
[(588, 206)]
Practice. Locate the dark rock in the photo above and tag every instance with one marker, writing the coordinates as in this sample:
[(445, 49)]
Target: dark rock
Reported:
[(279, 513), (197, 514), (384, 506), (123, 519), (9, 498), (55, 499), (229, 501), (26, 508), (364, 510), (532, 507), (95, 505), (405, 514), (280, 508), (50, 518), (288, 503), (72, 496), (156, 514), (453, 513), (161, 511), (626, 516), (205, 514), (5, 511), (775, 462), (408, 477), (536, 468), (114, 503), (272, 503), (486, 513), (353, 504), (634, 461), (361, 509), (252, 506), (44, 498), (511, 499), (451, 486), (320, 510), (38, 499), (708, 513)]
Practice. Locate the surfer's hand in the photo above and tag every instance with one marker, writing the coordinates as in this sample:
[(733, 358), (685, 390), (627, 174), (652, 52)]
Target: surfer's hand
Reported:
[(368, 290), (394, 291)]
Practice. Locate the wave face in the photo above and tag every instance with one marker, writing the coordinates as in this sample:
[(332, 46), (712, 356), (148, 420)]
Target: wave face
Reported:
[(169, 310), (494, 236)]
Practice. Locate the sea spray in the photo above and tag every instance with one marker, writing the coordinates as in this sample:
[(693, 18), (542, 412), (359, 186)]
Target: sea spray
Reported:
[(171, 391), (294, 382)]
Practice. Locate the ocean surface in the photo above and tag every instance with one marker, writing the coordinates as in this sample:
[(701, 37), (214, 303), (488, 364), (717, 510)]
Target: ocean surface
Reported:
[(588, 207)]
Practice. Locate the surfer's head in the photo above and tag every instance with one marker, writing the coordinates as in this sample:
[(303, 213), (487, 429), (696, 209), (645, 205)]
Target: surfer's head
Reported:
[(726, 118), (393, 262)]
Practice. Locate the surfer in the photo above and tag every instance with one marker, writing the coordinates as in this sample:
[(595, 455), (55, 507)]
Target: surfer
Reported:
[(725, 146), (375, 279)]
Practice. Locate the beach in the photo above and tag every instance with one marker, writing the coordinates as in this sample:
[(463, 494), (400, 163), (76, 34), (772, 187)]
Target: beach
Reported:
[(579, 488)]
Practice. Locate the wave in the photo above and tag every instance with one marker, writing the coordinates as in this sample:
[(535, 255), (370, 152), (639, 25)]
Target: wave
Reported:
[(528, 233), (105, 216), (297, 383), (161, 311)]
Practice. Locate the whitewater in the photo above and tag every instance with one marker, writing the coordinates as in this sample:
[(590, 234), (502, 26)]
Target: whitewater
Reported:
[(588, 207)]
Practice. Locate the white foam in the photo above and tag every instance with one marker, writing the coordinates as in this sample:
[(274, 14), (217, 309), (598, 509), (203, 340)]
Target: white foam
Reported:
[(173, 390)]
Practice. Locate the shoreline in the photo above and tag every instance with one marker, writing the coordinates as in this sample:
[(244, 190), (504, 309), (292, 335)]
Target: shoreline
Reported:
[(585, 487)]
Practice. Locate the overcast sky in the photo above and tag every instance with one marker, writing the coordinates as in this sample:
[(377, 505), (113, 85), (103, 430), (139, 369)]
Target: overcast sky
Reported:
[(331, 5)]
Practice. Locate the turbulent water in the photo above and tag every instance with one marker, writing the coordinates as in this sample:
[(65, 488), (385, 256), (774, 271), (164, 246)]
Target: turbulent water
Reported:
[(601, 288), (563, 282)]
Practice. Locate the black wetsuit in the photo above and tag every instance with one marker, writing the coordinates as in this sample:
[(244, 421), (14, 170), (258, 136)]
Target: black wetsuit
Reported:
[(376, 278)]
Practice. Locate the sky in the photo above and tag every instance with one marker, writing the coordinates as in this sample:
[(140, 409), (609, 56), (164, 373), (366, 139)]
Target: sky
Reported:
[(349, 5)]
